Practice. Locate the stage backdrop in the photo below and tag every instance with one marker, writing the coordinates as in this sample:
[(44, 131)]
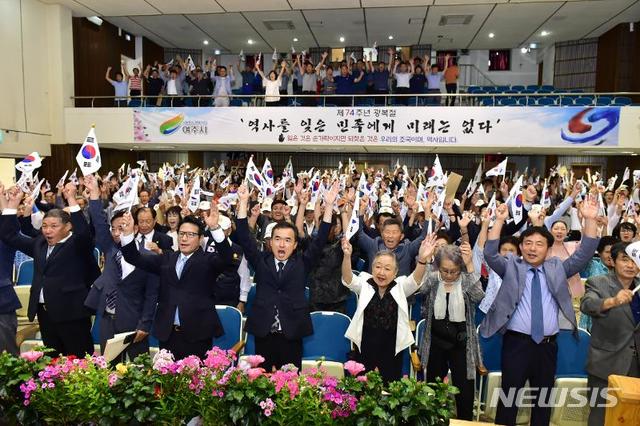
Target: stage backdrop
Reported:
[(556, 127)]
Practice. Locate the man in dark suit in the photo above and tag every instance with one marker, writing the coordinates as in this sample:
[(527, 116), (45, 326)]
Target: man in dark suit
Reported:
[(145, 220), (124, 296), (615, 341), (186, 321), (64, 268), (280, 315), (533, 294), (9, 301)]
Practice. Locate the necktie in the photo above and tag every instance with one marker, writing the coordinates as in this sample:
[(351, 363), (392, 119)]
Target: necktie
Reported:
[(180, 265), (280, 268), (142, 245), (113, 294), (537, 319), (49, 251)]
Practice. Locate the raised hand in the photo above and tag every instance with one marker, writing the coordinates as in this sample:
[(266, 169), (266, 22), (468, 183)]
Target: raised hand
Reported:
[(465, 251), (69, 193), (211, 217), (502, 212), (243, 193), (91, 183), (127, 224), (331, 196), (465, 220), (589, 208), (347, 248), (15, 197), (427, 248)]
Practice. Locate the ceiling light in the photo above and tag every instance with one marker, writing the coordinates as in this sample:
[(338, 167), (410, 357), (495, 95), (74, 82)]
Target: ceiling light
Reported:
[(127, 37), (206, 42), (491, 35), (250, 41), (341, 39), (533, 45), (217, 51), (390, 37), (524, 50), (545, 33), (95, 20), (295, 39)]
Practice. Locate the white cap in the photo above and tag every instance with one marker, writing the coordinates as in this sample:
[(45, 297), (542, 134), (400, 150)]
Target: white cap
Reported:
[(386, 209), (204, 205), (269, 229), (224, 222), (266, 205), (310, 206), (480, 203)]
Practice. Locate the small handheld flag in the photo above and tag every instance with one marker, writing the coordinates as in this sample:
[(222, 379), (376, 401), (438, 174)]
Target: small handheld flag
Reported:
[(498, 170), (29, 163), (88, 158)]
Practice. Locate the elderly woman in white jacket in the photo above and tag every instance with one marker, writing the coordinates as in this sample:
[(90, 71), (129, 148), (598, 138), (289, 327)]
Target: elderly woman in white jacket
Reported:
[(380, 325)]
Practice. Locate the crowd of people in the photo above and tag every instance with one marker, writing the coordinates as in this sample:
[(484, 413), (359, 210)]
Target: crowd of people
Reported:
[(173, 253), (212, 84)]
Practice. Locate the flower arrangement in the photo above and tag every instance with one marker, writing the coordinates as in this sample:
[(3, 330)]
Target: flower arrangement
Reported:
[(220, 390)]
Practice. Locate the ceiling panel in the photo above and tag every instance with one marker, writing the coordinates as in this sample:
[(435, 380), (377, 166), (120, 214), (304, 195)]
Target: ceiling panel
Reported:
[(192, 6), (395, 3), (466, 2), (632, 14), (512, 24), (329, 25), (134, 28), (232, 31), (253, 5), (454, 36), (175, 28), (565, 25), (324, 4), (120, 7), (382, 22), (283, 39), (76, 8)]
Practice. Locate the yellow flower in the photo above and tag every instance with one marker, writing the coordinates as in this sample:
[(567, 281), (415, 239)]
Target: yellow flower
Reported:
[(121, 369)]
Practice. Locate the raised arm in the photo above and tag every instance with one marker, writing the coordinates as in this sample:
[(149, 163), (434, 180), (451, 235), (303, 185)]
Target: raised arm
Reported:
[(104, 241), (391, 59), (243, 235), (321, 63), (579, 260), (491, 254), (256, 67), (347, 272), (106, 75), (149, 262), (9, 227), (124, 70), (283, 69)]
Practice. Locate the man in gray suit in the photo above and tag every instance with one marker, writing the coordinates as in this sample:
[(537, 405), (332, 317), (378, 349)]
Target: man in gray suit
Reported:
[(124, 297), (533, 294), (615, 312)]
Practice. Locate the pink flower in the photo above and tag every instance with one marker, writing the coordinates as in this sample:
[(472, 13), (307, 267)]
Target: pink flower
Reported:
[(32, 356), (445, 380), (113, 378), (254, 360), (267, 413), (254, 373), (354, 368), (362, 379)]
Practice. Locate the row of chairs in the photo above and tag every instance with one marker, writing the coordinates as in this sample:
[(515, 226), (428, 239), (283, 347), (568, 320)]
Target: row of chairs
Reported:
[(23, 275), (554, 100), (529, 89)]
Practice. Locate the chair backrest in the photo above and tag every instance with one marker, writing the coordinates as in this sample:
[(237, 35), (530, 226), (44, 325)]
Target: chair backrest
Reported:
[(95, 329), (622, 101), (231, 320), (23, 292), (603, 100), (250, 345), (25, 273), (420, 328), (250, 298), (416, 307), (584, 101), (518, 88), (328, 339), (572, 353), (491, 348), (352, 304), (566, 101), (546, 101)]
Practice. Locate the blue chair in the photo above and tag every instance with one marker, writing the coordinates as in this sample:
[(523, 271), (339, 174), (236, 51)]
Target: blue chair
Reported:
[(527, 92), (416, 307), (153, 341), (352, 304), (490, 89), (518, 88), (250, 345), (235, 102), (360, 264), (603, 100), (95, 329), (547, 87), (533, 87), (231, 320), (622, 101), (503, 89), (546, 101), (566, 101), (575, 91), (572, 353), (25, 273), (250, 298), (544, 91), (328, 339), (486, 101), (475, 89), (584, 101), (491, 349), (507, 101)]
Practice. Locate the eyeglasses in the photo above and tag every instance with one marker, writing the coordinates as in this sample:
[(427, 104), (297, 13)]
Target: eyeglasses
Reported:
[(450, 272), (188, 234)]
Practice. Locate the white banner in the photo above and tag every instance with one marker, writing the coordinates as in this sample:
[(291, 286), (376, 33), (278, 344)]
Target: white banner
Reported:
[(557, 127)]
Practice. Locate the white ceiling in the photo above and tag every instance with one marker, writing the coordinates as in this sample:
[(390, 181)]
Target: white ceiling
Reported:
[(229, 24)]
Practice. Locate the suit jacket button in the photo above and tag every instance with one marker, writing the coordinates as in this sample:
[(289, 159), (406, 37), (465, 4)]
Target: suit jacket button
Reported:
[(508, 316)]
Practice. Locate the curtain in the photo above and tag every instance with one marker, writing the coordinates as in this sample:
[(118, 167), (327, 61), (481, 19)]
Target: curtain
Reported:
[(575, 65)]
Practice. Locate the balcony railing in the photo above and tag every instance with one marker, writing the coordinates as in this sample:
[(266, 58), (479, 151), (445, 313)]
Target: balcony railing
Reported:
[(370, 100)]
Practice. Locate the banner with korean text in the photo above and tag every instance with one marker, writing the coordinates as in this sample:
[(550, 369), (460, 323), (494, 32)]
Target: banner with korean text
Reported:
[(557, 127)]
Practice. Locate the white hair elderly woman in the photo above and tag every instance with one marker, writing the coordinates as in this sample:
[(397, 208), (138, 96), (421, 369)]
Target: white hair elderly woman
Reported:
[(451, 293), (380, 325)]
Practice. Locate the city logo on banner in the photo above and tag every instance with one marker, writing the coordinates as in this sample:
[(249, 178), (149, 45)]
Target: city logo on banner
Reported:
[(591, 125)]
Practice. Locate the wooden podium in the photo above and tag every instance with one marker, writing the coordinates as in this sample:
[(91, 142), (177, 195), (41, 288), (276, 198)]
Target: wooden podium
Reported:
[(627, 411)]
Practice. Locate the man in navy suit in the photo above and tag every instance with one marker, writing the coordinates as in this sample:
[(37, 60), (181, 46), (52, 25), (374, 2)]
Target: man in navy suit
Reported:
[(186, 321), (145, 220), (280, 315), (124, 296), (533, 294), (64, 268)]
